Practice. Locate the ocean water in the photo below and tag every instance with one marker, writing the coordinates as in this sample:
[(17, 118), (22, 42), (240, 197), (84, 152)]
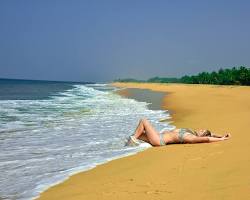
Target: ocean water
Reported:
[(51, 130)]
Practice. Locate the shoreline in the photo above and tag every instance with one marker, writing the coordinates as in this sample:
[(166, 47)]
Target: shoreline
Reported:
[(153, 98), (154, 101), (218, 171)]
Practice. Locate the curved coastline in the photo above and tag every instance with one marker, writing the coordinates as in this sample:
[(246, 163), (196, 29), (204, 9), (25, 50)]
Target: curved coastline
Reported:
[(217, 171), (152, 101)]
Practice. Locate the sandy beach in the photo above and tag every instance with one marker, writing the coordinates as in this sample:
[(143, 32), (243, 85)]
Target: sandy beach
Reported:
[(187, 171)]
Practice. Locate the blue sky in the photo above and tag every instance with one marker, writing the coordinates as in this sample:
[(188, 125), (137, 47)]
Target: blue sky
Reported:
[(104, 40)]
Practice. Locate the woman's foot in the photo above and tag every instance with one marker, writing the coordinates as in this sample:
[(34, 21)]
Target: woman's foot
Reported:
[(132, 141)]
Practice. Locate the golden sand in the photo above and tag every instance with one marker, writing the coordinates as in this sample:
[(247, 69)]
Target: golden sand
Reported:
[(188, 171)]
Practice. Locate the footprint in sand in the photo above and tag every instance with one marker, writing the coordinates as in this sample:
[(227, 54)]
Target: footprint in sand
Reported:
[(157, 192)]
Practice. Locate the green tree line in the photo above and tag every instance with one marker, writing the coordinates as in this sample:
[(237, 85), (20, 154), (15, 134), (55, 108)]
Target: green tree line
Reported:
[(235, 76)]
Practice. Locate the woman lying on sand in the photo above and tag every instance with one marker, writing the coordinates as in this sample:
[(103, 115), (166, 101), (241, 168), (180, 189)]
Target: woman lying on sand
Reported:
[(146, 132)]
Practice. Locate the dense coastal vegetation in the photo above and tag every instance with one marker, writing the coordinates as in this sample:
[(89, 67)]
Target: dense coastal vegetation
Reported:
[(235, 76)]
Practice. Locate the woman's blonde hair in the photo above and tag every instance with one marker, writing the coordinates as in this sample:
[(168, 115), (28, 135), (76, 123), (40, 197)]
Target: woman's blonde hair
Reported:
[(205, 133)]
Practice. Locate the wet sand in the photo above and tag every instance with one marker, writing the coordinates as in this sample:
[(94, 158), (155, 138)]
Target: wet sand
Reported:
[(183, 171), (153, 98)]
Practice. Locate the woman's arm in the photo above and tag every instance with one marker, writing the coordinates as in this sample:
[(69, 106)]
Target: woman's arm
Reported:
[(198, 139)]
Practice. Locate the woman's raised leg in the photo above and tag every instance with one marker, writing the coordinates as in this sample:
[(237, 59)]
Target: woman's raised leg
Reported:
[(146, 132)]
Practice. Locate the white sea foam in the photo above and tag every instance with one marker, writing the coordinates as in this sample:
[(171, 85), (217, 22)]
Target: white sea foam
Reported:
[(43, 142)]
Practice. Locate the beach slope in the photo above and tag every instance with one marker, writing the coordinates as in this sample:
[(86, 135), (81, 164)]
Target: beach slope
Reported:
[(199, 171)]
